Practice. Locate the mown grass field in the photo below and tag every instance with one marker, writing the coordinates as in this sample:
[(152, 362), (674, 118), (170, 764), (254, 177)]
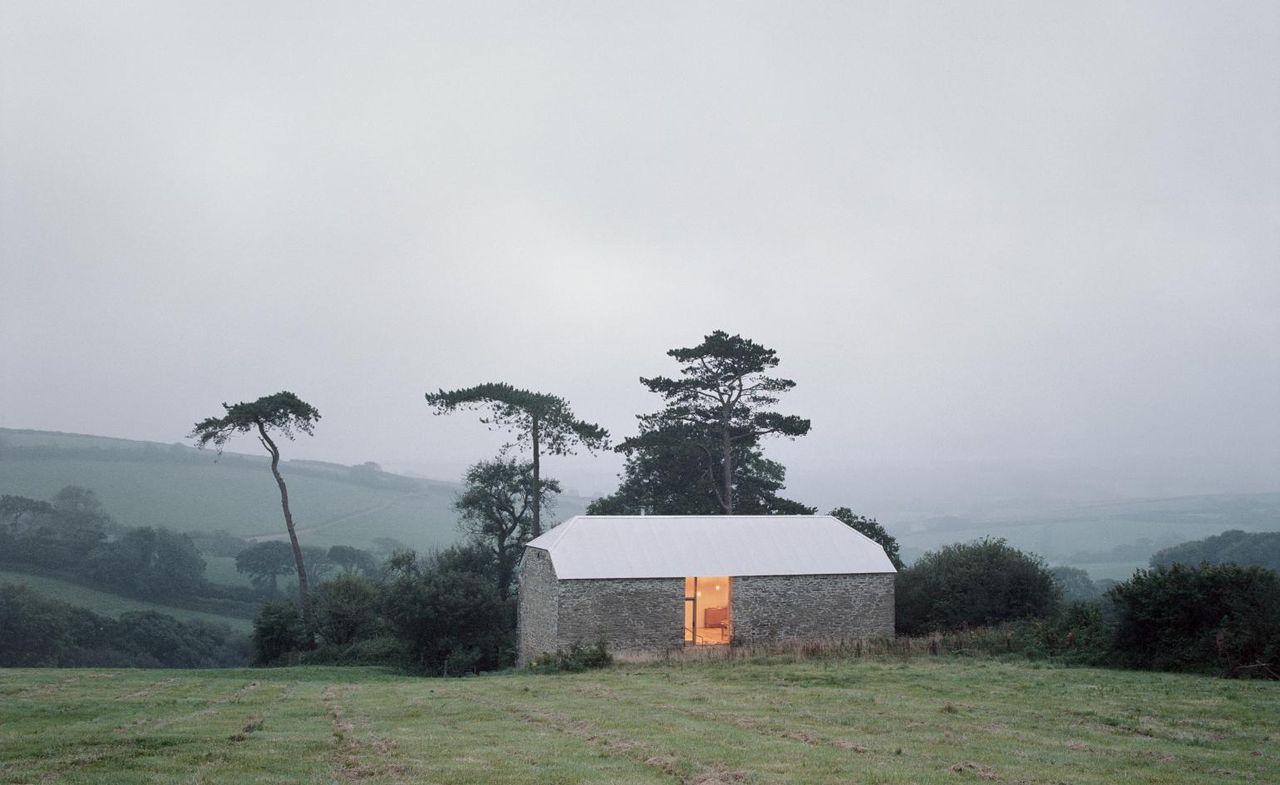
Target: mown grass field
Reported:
[(867, 721), (108, 604)]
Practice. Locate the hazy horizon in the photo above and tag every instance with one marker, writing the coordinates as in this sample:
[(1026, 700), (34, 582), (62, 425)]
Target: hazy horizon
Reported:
[(1007, 253)]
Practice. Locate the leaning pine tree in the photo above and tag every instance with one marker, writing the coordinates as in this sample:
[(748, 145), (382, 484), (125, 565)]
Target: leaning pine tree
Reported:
[(284, 413)]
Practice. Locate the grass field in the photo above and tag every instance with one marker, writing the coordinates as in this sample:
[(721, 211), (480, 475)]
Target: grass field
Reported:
[(107, 604), (878, 721)]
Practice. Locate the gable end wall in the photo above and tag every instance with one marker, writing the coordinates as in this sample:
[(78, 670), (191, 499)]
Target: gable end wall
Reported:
[(538, 606)]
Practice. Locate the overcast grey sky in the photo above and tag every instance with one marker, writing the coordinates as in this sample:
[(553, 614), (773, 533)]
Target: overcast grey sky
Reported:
[(1006, 250)]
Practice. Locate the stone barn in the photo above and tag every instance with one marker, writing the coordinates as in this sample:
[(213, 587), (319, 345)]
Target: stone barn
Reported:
[(652, 583)]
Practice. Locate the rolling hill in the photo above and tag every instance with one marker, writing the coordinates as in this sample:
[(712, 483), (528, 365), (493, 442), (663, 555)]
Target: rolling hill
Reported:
[(1109, 539), (185, 489)]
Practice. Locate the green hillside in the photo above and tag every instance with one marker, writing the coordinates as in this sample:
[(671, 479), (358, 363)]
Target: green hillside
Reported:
[(107, 604), (179, 487)]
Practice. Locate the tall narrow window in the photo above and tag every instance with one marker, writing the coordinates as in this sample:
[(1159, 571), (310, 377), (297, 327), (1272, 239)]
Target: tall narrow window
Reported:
[(707, 615)]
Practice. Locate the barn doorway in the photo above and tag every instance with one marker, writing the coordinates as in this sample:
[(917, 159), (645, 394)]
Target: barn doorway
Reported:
[(708, 620)]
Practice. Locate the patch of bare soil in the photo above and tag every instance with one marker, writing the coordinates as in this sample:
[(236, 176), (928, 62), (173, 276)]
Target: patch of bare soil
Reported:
[(251, 726), (719, 776)]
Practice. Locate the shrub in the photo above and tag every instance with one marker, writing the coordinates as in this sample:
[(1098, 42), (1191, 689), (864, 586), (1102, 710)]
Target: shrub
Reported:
[(277, 630), (1077, 634), (36, 632), (345, 609), (448, 612), (973, 584), (577, 659), (383, 650), (1215, 617)]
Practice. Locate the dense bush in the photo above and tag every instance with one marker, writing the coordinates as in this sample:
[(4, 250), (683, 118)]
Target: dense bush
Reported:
[(448, 612), (345, 609), (1077, 633), (277, 630), (38, 631), (385, 650), (1214, 617), (973, 585)]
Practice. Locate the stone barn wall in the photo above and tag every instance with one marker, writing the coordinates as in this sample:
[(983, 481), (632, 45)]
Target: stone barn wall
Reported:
[(630, 614), (647, 614), (539, 601), (812, 607)]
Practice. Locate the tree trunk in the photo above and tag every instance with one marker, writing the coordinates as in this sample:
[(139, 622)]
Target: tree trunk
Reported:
[(504, 567), (537, 484), (726, 470), (304, 593)]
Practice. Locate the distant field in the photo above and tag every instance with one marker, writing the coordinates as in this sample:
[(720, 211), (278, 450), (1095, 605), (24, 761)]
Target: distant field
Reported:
[(149, 484), (1117, 571), (107, 604), (222, 569), (926, 721)]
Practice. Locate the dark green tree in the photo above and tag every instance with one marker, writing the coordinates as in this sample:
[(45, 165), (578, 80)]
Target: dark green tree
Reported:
[(346, 609), (544, 422), (667, 473), (723, 399), (277, 630), (496, 510), (75, 499), (264, 562), (150, 562), (283, 413), (872, 529), (41, 533)]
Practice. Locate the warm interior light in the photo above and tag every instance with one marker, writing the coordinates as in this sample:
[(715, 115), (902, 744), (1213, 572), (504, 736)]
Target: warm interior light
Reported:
[(717, 587), (699, 594)]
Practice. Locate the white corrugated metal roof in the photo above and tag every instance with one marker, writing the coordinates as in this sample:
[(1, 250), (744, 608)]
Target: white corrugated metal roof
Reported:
[(673, 546)]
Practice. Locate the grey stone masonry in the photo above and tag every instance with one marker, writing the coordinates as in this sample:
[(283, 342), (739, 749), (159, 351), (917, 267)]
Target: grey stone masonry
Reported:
[(629, 614), (812, 607), (539, 606), (634, 615)]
